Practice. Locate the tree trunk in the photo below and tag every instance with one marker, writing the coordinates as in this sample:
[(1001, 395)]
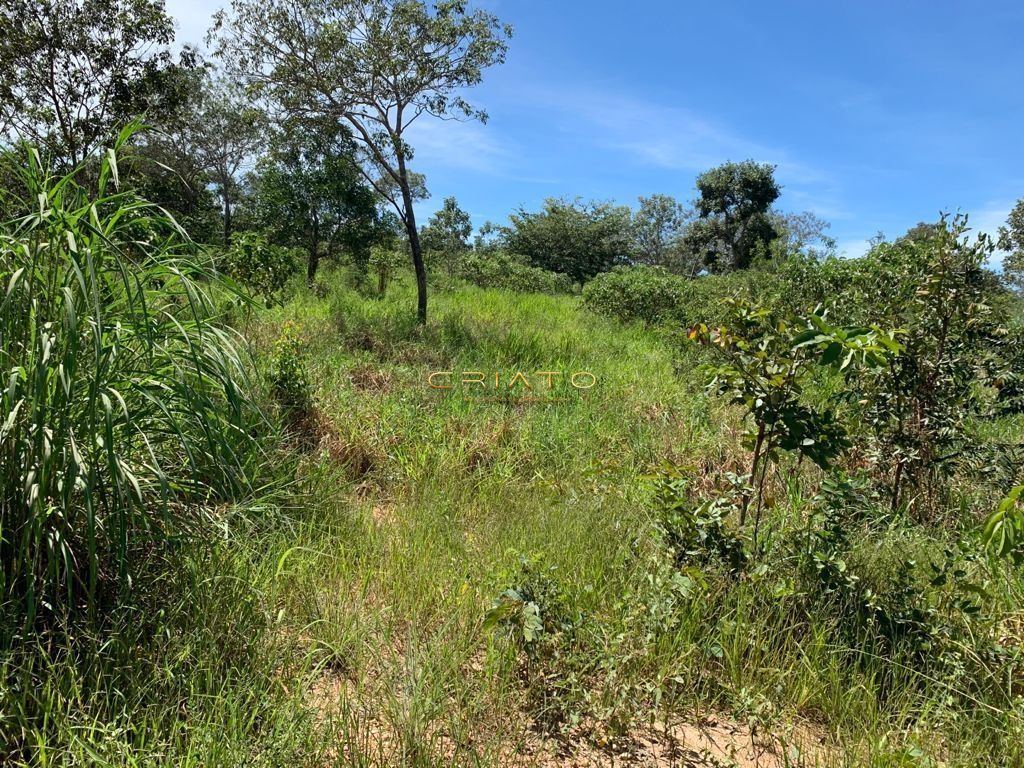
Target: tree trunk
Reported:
[(314, 255), (414, 241), (227, 221), (753, 472)]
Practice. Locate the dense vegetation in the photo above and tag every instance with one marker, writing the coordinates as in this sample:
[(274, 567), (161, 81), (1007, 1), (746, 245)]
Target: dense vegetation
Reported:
[(647, 485)]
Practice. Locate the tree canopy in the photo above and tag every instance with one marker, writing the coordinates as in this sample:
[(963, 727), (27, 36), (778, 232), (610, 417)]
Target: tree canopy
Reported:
[(733, 223), (375, 65), (1011, 239), (447, 233), (577, 238), (73, 72), (310, 193), (658, 226)]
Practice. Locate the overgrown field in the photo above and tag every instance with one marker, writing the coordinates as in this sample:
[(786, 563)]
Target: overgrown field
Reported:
[(248, 535), (343, 618)]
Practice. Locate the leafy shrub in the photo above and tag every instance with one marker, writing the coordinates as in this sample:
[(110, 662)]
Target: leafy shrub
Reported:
[(1004, 530), (695, 530), (264, 269), (537, 619), (917, 407), (289, 381), (124, 407), (766, 362), (1008, 373), (572, 237), (651, 295), (385, 262), (500, 270)]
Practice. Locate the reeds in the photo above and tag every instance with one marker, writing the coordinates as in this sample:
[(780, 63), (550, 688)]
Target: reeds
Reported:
[(124, 406)]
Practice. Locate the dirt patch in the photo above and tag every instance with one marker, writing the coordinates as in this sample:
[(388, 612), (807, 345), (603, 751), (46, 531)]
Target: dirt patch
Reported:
[(713, 742), (370, 379), (376, 738), (358, 457), (382, 514)]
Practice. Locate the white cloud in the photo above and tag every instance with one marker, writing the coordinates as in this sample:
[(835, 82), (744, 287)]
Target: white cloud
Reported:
[(455, 144), (677, 139)]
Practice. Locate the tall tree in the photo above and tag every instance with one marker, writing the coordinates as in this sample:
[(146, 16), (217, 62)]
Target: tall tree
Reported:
[(447, 233), (73, 71), (804, 232), (204, 146), (375, 65), (733, 223), (165, 165), (227, 133), (577, 238), (1011, 239), (310, 193), (657, 226)]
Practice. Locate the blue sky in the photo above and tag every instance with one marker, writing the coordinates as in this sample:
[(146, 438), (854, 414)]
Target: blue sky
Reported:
[(877, 114)]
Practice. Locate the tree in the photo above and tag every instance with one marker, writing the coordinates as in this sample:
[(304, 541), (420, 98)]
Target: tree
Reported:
[(227, 131), (1011, 239), (657, 227), (922, 232), (204, 146), (733, 224), (309, 191), (165, 166), (804, 233), (73, 72), (375, 65), (573, 237), (488, 238), (447, 233)]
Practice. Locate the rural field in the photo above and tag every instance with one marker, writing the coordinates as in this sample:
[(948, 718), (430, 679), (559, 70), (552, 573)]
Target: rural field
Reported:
[(294, 478)]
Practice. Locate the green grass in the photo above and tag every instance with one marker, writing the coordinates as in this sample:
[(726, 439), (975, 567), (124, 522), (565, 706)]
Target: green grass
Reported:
[(345, 624)]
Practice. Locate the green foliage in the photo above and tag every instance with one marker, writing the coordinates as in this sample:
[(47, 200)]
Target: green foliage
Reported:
[(498, 269), (1011, 240), (536, 617), (733, 225), (959, 361), (696, 530), (534, 606), (385, 262), (222, 129), (1008, 372), (75, 72), (652, 295), (309, 193), (932, 287), (657, 227), (446, 236), (768, 361), (803, 234), (125, 405), (572, 237), (264, 269), (373, 66), (289, 381), (1004, 530)]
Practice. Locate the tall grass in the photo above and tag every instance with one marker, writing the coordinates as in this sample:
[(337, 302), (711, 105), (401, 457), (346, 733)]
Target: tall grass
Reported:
[(124, 406)]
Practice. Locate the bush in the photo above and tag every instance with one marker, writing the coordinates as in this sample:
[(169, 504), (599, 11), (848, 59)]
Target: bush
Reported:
[(500, 270), (124, 407), (263, 269), (652, 295), (289, 381)]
